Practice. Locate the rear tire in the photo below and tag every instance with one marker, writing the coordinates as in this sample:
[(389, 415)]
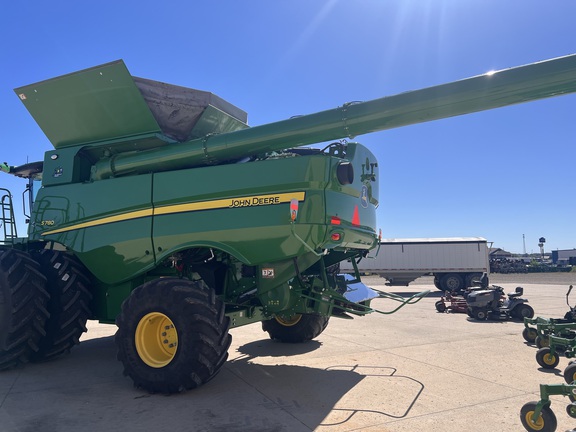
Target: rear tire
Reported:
[(470, 278), (298, 329), (172, 335), (69, 304), (23, 302), (452, 282)]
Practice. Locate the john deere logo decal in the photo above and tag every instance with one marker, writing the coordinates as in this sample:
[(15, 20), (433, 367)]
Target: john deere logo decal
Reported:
[(364, 196)]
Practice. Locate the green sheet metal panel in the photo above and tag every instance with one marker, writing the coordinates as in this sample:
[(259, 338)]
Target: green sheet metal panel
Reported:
[(91, 105), (107, 224), (242, 208)]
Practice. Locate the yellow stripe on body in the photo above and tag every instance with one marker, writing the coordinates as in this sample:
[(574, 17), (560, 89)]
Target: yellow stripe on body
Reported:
[(106, 220), (247, 201)]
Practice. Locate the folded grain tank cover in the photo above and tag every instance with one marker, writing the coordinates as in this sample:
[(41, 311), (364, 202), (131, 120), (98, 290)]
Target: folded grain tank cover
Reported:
[(106, 103)]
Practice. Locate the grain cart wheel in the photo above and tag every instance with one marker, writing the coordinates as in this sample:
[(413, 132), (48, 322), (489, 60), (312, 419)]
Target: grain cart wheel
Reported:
[(452, 282), (546, 359), (299, 328), (529, 334), (172, 335), (546, 422), (70, 298), (23, 302)]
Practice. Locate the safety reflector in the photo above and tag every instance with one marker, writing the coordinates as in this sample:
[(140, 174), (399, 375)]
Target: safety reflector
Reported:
[(293, 209), (335, 220), (335, 236), (356, 217)]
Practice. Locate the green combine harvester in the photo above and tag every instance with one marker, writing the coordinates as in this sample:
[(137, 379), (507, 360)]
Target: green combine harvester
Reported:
[(160, 210)]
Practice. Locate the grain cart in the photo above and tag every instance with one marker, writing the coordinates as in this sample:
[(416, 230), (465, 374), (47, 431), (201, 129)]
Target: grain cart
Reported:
[(160, 210)]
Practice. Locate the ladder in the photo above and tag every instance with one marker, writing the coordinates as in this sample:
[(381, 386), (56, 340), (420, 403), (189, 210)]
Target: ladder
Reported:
[(7, 219)]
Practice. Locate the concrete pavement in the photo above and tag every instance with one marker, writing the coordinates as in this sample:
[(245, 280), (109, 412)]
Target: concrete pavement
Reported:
[(413, 370)]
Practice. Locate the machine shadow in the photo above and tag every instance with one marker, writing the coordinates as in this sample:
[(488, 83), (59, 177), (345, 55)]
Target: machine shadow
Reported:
[(273, 396), (325, 396)]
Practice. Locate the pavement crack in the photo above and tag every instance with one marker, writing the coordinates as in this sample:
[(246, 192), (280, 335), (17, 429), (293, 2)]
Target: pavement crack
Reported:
[(3, 401)]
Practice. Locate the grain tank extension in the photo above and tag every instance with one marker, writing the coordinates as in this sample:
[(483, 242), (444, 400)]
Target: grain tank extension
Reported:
[(161, 210)]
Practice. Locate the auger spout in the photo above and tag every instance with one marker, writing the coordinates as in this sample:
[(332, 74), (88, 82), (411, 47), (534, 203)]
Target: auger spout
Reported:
[(492, 90)]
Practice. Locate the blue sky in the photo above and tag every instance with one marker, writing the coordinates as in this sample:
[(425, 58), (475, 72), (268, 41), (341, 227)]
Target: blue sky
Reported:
[(501, 174)]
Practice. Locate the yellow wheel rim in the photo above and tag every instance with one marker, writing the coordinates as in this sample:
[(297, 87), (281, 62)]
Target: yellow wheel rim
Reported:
[(289, 322), (549, 359), (538, 424), (156, 339)]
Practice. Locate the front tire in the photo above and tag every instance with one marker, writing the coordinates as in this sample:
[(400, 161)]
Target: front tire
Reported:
[(23, 302), (481, 314), (69, 304), (522, 311), (172, 335), (296, 329), (440, 306)]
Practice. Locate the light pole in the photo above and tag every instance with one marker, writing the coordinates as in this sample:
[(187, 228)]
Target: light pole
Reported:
[(524, 243)]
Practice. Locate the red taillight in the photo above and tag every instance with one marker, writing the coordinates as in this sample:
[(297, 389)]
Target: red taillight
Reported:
[(356, 217), (335, 236), (335, 220)]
